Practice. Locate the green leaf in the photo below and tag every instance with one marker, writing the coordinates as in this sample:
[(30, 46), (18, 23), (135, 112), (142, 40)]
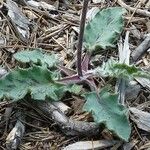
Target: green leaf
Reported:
[(106, 110), (76, 89), (36, 81), (104, 29), (114, 69), (36, 56)]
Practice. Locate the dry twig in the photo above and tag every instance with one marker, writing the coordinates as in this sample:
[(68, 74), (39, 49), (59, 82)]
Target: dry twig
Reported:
[(68, 126), (141, 49), (138, 11)]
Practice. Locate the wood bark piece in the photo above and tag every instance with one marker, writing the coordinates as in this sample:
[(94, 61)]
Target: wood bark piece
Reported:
[(132, 90), (63, 107), (68, 126), (144, 82), (129, 145), (19, 21), (141, 118), (90, 145), (14, 138), (141, 49)]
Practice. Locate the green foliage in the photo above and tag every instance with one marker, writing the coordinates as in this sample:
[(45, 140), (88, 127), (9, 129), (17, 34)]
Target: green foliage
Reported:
[(106, 110), (76, 89), (37, 81), (37, 57), (104, 29), (114, 69)]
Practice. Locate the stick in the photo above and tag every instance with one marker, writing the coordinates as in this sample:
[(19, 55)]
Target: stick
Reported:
[(138, 11), (141, 49), (63, 107), (68, 126)]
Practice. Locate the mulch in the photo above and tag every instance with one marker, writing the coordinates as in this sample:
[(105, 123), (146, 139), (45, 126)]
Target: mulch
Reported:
[(57, 31)]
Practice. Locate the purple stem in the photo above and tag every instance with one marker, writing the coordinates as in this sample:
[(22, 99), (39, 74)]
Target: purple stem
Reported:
[(80, 41)]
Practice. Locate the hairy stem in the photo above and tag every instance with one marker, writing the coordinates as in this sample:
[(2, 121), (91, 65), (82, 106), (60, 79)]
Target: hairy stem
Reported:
[(80, 41)]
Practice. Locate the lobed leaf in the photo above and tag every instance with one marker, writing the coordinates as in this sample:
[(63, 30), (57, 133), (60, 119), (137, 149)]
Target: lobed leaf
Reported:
[(36, 56), (106, 110), (36, 81), (104, 29), (114, 69)]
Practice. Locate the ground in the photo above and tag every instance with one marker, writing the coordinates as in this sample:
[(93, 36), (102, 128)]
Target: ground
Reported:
[(55, 29)]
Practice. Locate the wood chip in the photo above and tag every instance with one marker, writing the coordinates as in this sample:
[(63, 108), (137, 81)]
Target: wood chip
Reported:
[(141, 118), (90, 145)]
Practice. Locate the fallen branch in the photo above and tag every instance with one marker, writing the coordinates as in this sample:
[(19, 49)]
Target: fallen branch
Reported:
[(63, 107), (68, 126), (138, 11), (141, 49)]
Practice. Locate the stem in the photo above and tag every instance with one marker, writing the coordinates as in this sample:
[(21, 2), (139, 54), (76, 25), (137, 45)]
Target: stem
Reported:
[(80, 41)]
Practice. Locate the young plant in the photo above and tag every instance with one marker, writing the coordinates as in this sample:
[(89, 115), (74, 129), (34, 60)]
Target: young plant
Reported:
[(100, 33), (40, 81)]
